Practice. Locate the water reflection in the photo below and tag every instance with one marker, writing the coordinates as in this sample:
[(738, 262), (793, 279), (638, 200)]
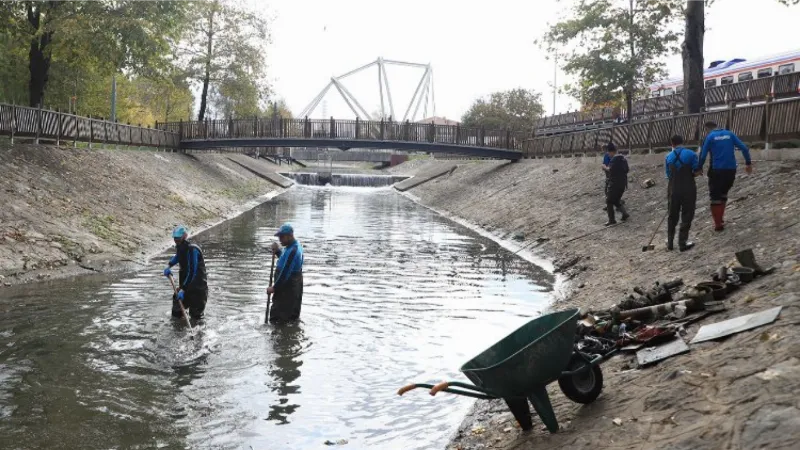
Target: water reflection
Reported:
[(287, 343)]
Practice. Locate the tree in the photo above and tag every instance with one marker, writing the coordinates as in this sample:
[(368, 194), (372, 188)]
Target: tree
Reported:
[(128, 34), (692, 53), (224, 50), (516, 109), (618, 46)]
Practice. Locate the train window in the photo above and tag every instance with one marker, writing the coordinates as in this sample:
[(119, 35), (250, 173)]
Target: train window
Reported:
[(745, 76), (786, 68), (711, 83), (764, 73), (726, 80), (669, 91)]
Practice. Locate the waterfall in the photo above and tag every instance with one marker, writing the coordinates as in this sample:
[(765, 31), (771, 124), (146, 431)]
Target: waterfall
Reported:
[(344, 179)]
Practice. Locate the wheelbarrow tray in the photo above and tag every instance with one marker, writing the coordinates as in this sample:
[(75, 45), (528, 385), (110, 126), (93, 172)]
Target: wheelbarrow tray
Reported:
[(527, 359)]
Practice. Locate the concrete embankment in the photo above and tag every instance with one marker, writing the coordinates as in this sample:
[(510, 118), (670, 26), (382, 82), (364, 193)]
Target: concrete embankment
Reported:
[(69, 211), (740, 392)]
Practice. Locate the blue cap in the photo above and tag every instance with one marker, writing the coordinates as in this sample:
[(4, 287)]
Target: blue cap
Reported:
[(285, 229), (179, 232)]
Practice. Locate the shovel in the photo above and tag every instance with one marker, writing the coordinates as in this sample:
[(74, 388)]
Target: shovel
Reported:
[(650, 246), (180, 303)]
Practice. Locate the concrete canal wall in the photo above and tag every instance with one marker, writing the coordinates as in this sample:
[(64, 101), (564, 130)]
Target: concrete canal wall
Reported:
[(70, 211), (717, 395)]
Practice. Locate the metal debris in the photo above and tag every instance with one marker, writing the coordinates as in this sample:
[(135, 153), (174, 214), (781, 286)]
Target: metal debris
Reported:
[(736, 325), (654, 354)]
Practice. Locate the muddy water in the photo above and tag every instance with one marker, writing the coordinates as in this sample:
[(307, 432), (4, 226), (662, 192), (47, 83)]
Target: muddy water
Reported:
[(394, 293)]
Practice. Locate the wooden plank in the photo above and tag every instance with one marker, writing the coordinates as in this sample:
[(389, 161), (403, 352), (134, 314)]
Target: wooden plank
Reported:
[(748, 122)]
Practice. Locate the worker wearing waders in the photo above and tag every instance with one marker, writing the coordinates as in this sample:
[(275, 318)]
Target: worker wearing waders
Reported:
[(192, 284), (617, 183), (606, 162), (722, 168), (287, 289), (681, 168)]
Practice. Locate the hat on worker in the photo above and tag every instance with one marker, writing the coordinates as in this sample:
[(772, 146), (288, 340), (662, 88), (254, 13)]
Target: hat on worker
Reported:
[(610, 147), (284, 230), (179, 232)]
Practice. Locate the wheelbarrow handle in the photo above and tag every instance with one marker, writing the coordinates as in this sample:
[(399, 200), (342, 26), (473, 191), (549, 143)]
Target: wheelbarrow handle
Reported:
[(405, 389), (439, 387)]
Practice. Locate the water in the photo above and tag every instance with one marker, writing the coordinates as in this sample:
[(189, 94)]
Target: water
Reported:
[(353, 180), (394, 294)]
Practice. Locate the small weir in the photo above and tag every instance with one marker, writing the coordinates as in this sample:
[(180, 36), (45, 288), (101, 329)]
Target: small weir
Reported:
[(343, 179)]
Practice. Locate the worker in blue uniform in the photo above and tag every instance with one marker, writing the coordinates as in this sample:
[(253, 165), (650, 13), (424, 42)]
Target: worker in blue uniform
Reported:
[(606, 162), (681, 167), (720, 144), (287, 289), (617, 184), (192, 282)]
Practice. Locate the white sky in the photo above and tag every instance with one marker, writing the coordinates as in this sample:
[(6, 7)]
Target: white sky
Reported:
[(475, 48)]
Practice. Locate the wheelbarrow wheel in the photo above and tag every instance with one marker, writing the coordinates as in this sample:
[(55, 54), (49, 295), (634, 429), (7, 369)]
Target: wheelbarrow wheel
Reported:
[(584, 387)]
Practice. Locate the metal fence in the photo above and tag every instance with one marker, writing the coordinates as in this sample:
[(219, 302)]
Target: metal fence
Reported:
[(23, 121), (767, 122), (257, 127)]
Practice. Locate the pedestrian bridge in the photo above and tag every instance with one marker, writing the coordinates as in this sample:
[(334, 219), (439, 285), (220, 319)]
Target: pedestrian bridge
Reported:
[(348, 134)]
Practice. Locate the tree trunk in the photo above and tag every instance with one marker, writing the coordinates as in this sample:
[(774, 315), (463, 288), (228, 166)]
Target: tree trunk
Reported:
[(629, 103), (692, 50), (38, 58), (207, 74)]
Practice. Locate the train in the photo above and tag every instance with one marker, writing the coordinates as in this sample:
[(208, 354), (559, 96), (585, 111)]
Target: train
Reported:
[(736, 70)]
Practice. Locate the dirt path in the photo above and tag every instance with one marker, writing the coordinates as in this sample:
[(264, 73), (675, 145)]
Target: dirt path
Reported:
[(718, 396), (69, 211)]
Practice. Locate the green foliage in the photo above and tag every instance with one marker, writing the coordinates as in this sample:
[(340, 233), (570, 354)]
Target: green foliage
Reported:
[(617, 45), (516, 109), (223, 50)]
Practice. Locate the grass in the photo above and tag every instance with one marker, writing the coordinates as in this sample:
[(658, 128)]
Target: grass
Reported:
[(102, 227)]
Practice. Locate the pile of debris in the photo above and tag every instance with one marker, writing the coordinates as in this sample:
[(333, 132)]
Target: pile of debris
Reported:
[(652, 321)]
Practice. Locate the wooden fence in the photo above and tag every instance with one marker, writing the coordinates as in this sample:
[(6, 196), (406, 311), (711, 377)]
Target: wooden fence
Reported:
[(767, 122), (42, 124)]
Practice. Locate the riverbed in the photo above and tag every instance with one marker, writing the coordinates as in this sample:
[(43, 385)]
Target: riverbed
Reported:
[(394, 293)]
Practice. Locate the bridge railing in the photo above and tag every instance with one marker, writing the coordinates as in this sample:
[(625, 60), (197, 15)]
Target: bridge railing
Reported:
[(766, 122), (36, 123), (382, 130)]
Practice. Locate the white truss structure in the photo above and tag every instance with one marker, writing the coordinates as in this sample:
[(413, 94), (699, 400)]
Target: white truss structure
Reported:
[(423, 95)]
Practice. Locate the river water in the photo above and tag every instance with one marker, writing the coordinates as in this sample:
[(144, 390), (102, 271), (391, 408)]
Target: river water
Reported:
[(394, 293)]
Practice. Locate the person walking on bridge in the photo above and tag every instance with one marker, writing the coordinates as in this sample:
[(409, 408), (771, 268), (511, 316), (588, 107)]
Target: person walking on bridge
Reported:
[(192, 283), (288, 287), (617, 183), (722, 168), (681, 166)]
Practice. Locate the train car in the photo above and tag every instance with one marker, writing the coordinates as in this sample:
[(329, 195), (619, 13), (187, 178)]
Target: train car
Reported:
[(735, 70)]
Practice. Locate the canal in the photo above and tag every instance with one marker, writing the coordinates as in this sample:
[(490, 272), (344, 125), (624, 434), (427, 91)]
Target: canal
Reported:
[(394, 293)]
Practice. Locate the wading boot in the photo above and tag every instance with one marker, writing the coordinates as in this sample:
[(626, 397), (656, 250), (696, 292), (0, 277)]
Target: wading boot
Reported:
[(717, 210), (670, 240), (611, 218), (625, 215), (683, 241)]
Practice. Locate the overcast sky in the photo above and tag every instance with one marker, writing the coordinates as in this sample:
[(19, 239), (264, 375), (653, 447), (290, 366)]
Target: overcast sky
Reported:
[(474, 47)]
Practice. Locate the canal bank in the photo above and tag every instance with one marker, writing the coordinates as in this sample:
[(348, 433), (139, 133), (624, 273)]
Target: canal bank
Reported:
[(69, 211), (713, 397)]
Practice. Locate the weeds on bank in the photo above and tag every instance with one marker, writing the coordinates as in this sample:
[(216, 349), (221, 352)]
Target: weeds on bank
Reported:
[(102, 227)]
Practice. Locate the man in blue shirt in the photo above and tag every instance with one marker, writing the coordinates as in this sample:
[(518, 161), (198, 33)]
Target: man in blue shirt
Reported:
[(720, 144), (681, 167), (617, 183), (288, 286), (192, 284), (606, 162)]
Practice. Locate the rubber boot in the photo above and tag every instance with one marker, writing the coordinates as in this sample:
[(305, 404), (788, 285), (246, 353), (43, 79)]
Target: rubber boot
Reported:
[(716, 213), (625, 215), (683, 241), (670, 239), (747, 259), (611, 218), (722, 213)]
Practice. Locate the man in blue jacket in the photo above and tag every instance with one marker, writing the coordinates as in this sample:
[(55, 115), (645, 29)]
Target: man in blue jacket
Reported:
[(192, 283), (617, 183), (606, 163), (681, 167), (721, 145), (287, 289)]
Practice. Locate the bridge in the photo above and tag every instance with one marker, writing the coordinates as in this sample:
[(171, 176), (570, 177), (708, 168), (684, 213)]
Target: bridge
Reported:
[(348, 134)]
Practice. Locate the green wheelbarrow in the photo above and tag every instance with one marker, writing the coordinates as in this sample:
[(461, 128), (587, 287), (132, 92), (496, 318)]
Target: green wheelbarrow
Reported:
[(520, 366)]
